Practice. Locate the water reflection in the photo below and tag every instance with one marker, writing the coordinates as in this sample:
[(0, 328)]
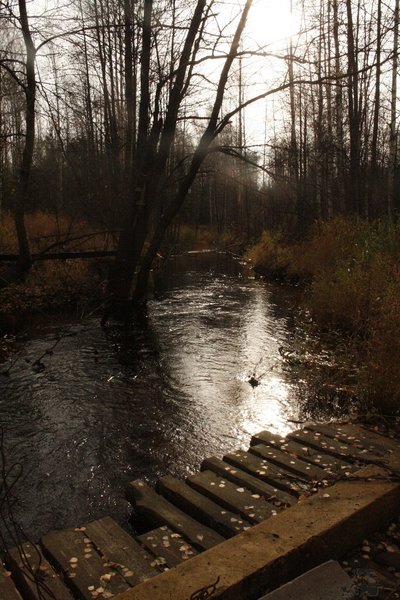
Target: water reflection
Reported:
[(224, 333), (151, 399)]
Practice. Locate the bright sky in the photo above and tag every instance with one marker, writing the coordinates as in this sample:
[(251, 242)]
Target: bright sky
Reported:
[(270, 22), (269, 27)]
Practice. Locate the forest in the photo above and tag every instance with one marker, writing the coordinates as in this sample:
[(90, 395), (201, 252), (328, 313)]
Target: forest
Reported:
[(135, 128), (199, 261)]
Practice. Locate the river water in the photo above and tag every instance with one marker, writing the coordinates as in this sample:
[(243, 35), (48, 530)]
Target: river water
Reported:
[(110, 405)]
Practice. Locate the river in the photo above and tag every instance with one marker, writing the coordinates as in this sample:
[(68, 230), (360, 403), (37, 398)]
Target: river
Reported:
[(110, 405)]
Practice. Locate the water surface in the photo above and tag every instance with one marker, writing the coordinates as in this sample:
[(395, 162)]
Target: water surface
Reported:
[(111, 405)]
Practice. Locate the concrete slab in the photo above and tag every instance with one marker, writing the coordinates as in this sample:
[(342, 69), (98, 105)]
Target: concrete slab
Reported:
[(318, 528), (325, 582)]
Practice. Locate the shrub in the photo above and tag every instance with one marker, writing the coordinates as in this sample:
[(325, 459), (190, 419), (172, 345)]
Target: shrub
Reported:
[(270, 256), (353, 270)]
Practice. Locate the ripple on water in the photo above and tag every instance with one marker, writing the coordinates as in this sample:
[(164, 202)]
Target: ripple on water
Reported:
[(112, 405)]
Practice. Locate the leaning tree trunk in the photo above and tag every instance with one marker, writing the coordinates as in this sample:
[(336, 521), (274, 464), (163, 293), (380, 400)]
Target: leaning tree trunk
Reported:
[(149, 167), (211, 132)]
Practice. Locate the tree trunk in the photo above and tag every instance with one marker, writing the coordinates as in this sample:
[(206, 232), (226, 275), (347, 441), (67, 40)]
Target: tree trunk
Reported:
[(393, 119), (353, 200), (200, 153), (375, 130), (149, 167), (25, 260)]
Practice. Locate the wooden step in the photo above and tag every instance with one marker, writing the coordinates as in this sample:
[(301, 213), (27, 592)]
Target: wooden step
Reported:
[(240, 500), (168, 548), (34, 576), (359, 437), (8, 591), (116, 546), (86, 571), (298, 467), (268, 472), (334, 447), (201, 507), (305, 453), (156, 511), (243, 479), (326, 524)]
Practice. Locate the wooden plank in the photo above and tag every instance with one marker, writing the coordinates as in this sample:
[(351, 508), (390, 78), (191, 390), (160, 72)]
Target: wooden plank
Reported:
[(116, 546), (289, 463), (200, 507), (360, 437), (265, 471), (241, 478), (169, 548), (305, 453), (85, 570), (34, 576), (249, 506), (331, 446), (157, 511), (8, 591), (312, 531)]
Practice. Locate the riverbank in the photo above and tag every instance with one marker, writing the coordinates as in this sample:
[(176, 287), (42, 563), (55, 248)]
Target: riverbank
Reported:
[(351, 277), (50, 291), (54, 285), (75, 285)]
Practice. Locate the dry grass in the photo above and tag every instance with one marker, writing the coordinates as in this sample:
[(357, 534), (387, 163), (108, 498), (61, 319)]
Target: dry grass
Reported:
[(45, 229), (205, 238), (354, 272), (53, 284), (270, 255)]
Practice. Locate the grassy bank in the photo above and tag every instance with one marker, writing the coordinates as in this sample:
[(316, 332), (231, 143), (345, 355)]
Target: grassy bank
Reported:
[(189, 238), (50, 285), (58, 285), (352, 273)]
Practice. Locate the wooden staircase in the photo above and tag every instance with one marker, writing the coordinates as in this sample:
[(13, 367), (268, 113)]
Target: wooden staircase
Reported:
[(179, 520)]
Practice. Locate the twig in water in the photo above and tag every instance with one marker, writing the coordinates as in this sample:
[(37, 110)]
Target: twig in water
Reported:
[(38, 362)]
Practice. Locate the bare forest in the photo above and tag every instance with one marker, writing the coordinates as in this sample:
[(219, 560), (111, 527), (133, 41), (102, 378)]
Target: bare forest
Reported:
[(199, 240), (131, 116)]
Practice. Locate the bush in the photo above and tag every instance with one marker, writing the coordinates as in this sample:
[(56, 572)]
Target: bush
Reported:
[(53, 284), (353, 271), (270, 256)]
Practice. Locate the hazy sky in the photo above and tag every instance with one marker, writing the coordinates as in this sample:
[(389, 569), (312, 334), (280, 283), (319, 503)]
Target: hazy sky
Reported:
[(269, 27)]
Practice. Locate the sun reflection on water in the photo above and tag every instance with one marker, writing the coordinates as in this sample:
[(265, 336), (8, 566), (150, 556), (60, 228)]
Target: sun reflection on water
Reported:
[(268, 407)]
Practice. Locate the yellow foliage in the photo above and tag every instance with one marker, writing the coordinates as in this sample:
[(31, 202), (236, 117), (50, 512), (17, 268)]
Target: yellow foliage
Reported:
[(49, 284), (44, 229), (354, 272), (270, 255)]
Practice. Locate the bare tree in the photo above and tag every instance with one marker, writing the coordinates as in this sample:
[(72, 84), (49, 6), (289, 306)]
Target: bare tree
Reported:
[(25, 259), (393, 112)]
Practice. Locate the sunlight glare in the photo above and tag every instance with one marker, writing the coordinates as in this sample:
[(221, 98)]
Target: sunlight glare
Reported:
[(271, 21), (269, 408)]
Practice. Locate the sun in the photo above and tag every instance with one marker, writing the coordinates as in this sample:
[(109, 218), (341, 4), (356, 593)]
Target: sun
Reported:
[(272, 22)]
